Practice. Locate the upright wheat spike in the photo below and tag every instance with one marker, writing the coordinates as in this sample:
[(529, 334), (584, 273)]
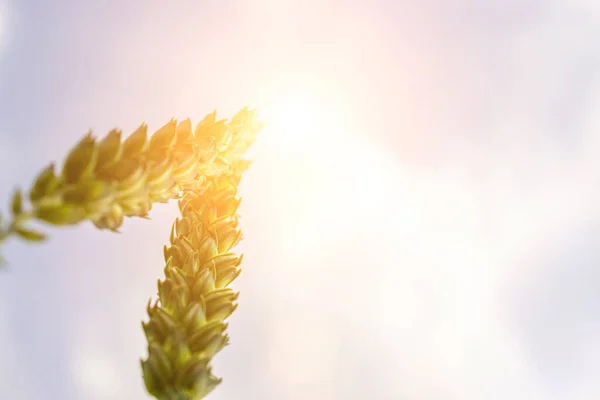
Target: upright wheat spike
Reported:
[(105, 181), (186, 326)]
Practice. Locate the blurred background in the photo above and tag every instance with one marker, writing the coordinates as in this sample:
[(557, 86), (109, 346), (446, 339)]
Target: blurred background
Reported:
[(421, 220)]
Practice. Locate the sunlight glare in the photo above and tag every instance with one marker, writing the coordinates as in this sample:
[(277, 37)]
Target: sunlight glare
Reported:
[(297, 120), (308, 115)]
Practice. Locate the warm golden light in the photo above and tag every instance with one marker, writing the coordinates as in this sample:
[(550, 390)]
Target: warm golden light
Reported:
[(298, 119), (305, 113)]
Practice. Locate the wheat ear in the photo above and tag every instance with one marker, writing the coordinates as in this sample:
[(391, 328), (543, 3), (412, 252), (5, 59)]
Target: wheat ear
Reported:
[(186, 326), (105, 180)]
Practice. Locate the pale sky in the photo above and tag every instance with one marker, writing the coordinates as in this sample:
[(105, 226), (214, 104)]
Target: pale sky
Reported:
[(421, 220)]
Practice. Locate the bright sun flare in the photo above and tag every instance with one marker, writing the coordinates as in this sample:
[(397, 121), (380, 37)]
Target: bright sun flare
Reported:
[(302, 116), (298, 119)]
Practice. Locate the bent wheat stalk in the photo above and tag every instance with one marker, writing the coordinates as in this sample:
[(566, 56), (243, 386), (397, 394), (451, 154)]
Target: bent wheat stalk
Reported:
[(107, 180)]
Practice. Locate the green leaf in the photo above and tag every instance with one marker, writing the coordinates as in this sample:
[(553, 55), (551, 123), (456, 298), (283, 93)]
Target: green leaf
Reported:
[(17, 203), (30, 235)]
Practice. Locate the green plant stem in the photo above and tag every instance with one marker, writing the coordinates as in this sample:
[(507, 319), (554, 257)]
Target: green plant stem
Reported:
[(17, 221)]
